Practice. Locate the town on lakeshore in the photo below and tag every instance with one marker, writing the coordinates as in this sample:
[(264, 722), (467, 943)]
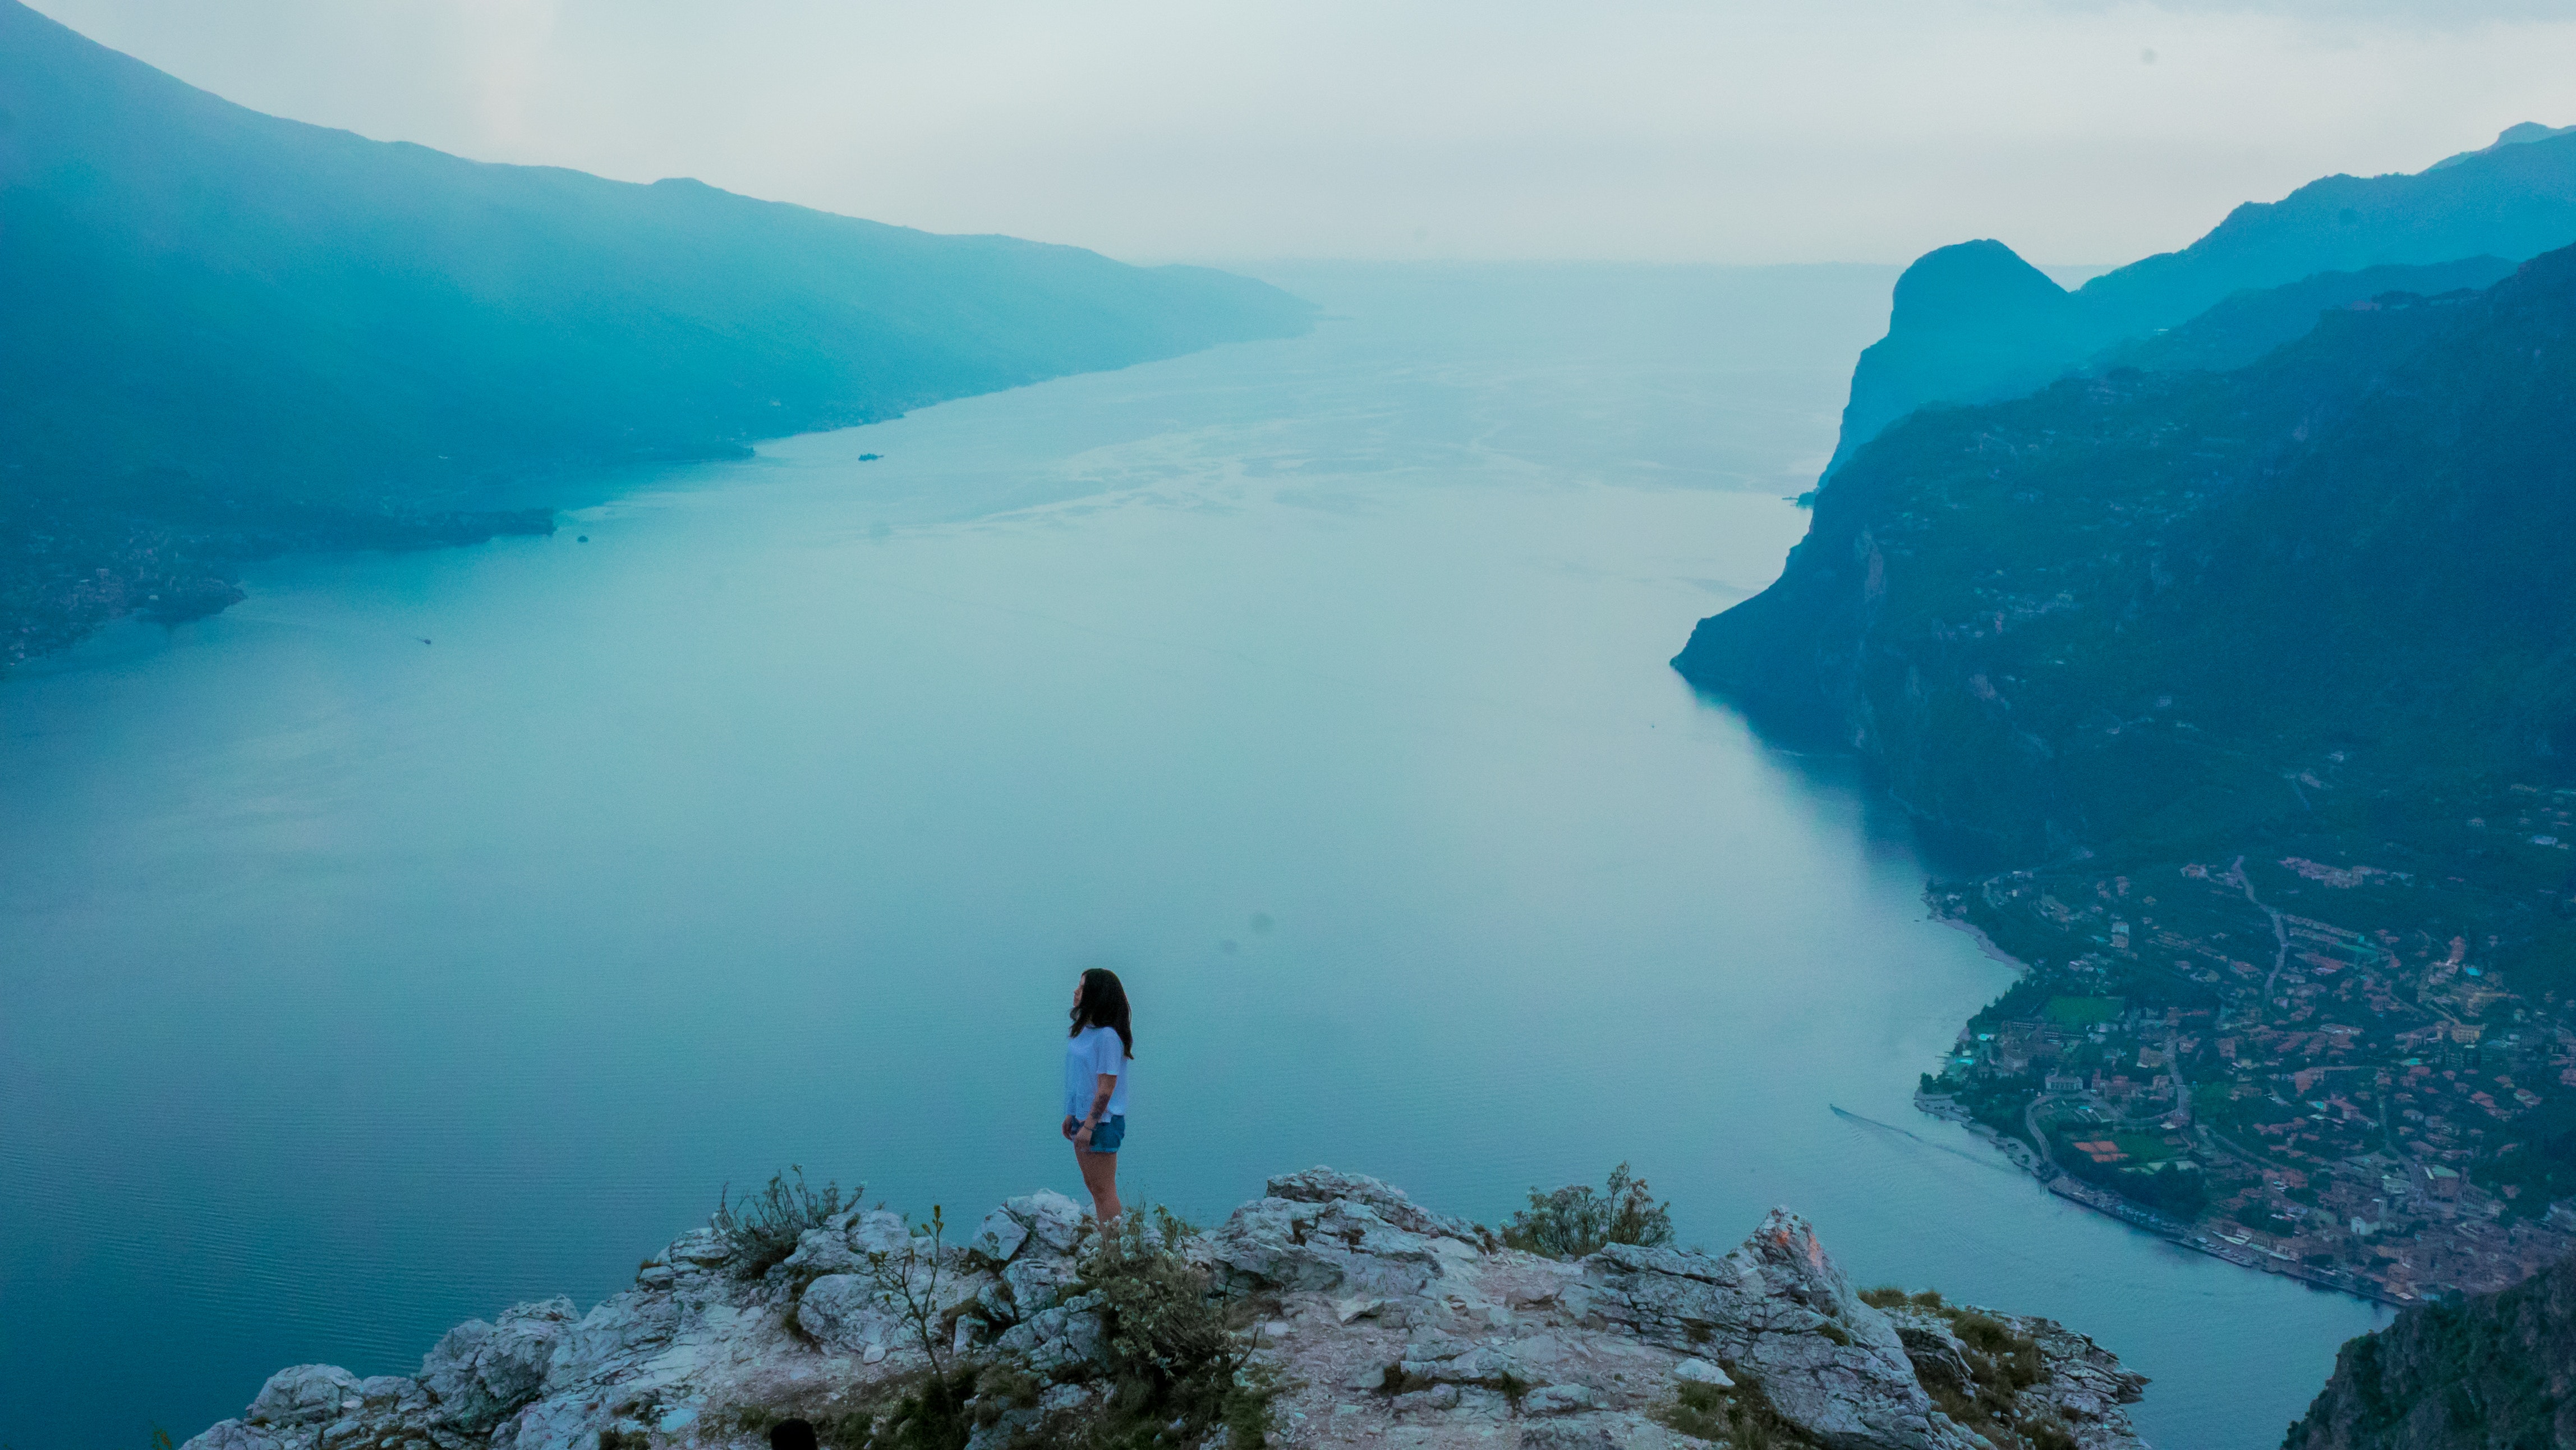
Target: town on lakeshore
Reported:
[(2353, 1072)]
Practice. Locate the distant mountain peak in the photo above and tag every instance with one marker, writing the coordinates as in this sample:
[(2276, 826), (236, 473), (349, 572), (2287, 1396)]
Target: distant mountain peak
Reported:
[(1975, 323), (1980, 284), (2521, 133)]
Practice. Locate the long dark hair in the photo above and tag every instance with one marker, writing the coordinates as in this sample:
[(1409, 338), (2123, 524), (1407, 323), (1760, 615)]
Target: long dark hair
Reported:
[(1104, 1004)]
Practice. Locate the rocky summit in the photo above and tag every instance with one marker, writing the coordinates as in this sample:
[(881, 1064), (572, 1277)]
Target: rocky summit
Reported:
[(1365, 1319)]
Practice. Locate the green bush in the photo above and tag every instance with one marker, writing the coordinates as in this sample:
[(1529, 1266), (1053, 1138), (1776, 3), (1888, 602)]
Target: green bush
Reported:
[(931, 1415), (1173, 1351), (763, 1228), (1740, 1417), (1575, 1221), (2012, 1361), (2001, 1364)]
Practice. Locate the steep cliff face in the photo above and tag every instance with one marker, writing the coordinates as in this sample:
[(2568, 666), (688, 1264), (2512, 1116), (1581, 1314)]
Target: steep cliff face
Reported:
[(2492, 1372), (1379, 1323), (1968, 321), (1975, 338), (2126, 607)]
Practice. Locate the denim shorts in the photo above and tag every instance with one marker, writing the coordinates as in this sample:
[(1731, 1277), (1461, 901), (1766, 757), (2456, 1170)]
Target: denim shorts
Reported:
[(1108, 1133)]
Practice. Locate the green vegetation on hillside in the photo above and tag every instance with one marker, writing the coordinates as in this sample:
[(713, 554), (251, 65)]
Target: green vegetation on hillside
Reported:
[(2263, 684), (2487, 1372)]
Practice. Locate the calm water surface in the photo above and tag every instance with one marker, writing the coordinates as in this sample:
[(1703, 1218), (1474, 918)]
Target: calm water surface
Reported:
[(352, 985)]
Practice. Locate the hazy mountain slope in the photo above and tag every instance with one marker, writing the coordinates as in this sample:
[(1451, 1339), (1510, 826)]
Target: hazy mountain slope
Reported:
[(2492, 1372), (1974, 311), (2514, 200), (2124, 607), (215, 310), (2520, 134), (2243, 327)]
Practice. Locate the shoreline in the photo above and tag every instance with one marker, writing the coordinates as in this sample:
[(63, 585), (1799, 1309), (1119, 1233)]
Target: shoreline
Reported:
[(116, 568), (2027, 1160)]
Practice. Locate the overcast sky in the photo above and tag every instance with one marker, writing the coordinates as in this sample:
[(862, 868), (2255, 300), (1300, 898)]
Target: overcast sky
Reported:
[(1792, 130)]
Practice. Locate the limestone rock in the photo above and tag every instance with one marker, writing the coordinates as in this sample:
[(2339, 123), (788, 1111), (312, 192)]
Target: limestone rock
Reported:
[(1701, 1372), (879, 1231), (1323, 1185), (1778, 1311), (2080, 1391), (1056, 1341), (1604, 1432), (1320, 1230), (1000, 1236), (1034, 1283), (304, 1394), (1056, 1222), (821, 1251), (1466, 1362), (1388, 1324), (480, 1372), (699, 1249), (1558, 1400), (844, 1312), (310, 1401)]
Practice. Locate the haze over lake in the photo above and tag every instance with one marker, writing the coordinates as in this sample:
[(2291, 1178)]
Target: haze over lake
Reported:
[(436, 931)]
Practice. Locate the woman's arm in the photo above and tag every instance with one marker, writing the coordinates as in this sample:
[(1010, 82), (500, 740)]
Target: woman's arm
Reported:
[(1099, 1105)]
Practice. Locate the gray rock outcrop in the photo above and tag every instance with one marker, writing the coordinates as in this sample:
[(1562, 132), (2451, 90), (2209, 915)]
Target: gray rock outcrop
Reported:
[(1384, 1324), (1778, 1311)]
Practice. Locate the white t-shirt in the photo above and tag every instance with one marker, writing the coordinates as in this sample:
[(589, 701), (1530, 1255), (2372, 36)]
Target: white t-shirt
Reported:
[(1089, 1055)]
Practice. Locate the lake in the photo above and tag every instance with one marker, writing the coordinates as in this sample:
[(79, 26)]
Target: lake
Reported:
[(436, 931)]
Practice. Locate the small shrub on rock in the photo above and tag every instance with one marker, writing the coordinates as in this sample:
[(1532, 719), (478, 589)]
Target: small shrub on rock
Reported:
[(2006, 1363), (934, 1414), (763, 1228), (2000, 1364), (1575, 1220), (1174, 1354), (1738, 1416)]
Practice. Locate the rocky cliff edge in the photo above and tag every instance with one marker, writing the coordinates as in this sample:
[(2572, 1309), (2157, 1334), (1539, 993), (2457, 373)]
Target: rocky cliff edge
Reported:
[(1379, 1322)]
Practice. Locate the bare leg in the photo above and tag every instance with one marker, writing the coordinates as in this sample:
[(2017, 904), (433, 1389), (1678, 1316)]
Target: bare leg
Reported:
[(1100, 1175)]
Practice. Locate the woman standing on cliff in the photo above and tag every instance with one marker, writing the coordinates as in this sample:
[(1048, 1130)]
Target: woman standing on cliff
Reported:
[(1096, 1063)]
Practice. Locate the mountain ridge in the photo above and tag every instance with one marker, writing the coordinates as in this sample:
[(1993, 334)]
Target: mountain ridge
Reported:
[(2143, 563), (2512, 201), (235, 334)]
